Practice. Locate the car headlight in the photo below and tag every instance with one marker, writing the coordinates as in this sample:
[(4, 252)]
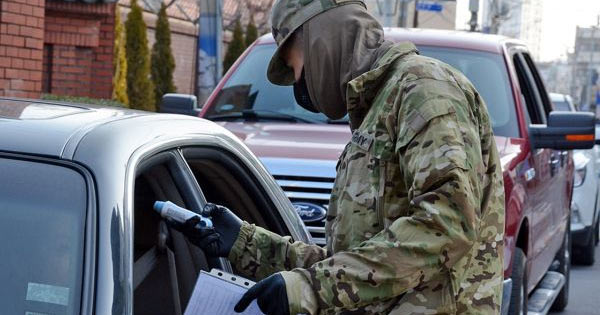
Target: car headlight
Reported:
[(579, 177), (581, 161)]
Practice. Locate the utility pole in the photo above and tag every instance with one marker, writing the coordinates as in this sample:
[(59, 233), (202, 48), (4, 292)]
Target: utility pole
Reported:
[(416, 15), (403, 13), (210, 39), (388, 6), (474, 8), (588, 96)]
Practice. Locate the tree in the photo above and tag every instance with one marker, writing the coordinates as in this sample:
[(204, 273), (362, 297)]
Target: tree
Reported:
[(236, 47), (119, 62), (163, 63), (140, 89), (251, 32)]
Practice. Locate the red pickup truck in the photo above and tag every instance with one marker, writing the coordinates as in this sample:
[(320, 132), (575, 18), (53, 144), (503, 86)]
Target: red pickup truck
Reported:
[(300, 149)]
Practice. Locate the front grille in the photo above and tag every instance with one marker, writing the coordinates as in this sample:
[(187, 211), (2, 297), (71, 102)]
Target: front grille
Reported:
[(316, 190)]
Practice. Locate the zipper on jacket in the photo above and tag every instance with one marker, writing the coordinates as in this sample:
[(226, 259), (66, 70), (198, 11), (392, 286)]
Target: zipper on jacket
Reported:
[(380, 197)]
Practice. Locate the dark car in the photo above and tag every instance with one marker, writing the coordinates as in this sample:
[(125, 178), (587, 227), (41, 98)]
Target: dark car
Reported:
[(301, 148), (77, 231)]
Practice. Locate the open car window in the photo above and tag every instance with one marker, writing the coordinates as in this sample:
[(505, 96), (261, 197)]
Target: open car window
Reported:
[(166, 265), (226, 181), (189, 178)]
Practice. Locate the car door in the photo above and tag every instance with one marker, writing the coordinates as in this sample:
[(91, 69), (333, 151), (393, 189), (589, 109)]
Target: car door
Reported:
[(539, 175), (561, 169)]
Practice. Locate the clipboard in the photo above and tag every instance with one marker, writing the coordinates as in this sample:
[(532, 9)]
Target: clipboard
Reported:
[(217, 292)]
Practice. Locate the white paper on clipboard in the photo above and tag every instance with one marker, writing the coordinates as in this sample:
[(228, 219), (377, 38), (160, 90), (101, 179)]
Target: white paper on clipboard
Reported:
[(217, 292)]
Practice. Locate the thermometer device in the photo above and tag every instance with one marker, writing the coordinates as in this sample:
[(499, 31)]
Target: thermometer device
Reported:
[(167, 209)]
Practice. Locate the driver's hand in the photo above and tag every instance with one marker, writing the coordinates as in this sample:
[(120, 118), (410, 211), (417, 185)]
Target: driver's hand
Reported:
[(215, 241)]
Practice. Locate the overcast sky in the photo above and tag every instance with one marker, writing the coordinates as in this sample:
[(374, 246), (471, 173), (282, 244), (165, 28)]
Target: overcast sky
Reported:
[(560, 19)]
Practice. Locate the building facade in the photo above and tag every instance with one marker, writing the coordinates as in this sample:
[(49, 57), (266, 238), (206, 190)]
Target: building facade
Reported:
[(585, 63), (391, 13), (556, 76), (521, 19)]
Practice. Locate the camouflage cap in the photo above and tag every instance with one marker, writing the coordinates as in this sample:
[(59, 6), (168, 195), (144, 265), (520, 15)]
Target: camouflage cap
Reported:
[(286, 17)]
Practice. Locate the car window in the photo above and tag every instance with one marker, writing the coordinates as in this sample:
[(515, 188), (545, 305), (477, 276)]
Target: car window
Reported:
[(221, 179), (539, 84), (529, 93), (249, 88), (42, 228), (487, 72), (225, 180), (160, 251)]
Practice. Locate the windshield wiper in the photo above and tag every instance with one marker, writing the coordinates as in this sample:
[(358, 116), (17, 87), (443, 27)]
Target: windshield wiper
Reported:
[(257, 115)]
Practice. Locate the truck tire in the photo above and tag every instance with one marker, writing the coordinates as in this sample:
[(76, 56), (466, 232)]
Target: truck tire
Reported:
[(518, 295), (586, 255), (597, 232), (564, 258)]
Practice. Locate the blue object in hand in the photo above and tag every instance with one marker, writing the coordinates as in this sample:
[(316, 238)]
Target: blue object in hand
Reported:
[(169, 210)]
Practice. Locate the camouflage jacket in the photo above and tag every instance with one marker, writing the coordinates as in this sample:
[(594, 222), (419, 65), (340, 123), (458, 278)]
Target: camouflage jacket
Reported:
[(415, 223)]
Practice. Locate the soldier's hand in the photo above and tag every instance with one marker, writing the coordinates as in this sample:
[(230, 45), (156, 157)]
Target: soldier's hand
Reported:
[(270, 295), (215, 241)]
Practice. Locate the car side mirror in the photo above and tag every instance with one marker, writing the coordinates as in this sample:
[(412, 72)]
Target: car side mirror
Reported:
[(185, 104), (565, 131)]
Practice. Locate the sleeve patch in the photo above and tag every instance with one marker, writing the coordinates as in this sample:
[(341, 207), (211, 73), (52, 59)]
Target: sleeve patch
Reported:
[(362, 140)]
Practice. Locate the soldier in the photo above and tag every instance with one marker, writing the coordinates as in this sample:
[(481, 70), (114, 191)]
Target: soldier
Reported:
[(416, 218)]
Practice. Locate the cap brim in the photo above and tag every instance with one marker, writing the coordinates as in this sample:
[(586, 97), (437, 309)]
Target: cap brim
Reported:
[(278, 72)]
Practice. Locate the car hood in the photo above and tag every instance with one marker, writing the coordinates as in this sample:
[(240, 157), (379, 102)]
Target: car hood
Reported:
[(324, 143), (294, 141)]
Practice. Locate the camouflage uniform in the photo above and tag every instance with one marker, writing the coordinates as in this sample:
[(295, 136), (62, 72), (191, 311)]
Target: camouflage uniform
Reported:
[(416, 218)]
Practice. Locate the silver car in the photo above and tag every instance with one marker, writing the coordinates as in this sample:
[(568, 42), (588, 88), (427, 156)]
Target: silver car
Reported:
[(585, 203), (77, 183)]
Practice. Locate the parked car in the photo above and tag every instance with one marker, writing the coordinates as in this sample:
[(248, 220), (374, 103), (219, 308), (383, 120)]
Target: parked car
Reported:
[(585, 205), (77, 231), (301, 149)]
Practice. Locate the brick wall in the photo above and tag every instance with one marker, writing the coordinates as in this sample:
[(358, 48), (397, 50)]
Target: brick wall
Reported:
[(78, 49), (21, 47), (66, 48)]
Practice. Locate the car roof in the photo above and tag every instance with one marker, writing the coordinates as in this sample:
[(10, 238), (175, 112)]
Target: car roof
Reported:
[(440, 38), (57, 129)]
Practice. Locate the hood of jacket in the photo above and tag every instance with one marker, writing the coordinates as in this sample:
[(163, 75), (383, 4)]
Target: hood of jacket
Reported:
[(339, 45)]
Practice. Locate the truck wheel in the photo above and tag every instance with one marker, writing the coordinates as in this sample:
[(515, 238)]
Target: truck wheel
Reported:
[(564, 258), (597, 232), (586, 255), (518, 295)]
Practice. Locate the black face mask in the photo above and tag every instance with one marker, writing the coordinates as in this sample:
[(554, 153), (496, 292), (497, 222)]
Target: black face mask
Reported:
[(302, 96)]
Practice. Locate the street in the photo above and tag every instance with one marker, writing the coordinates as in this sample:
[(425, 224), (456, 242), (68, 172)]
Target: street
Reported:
[(585, 285)]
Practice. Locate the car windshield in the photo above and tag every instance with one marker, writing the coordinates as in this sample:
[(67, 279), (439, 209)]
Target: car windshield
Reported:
[(42, 214), (249, 89)]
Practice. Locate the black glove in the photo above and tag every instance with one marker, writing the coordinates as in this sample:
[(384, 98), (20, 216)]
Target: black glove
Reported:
[(270, 296), (215, 241)]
